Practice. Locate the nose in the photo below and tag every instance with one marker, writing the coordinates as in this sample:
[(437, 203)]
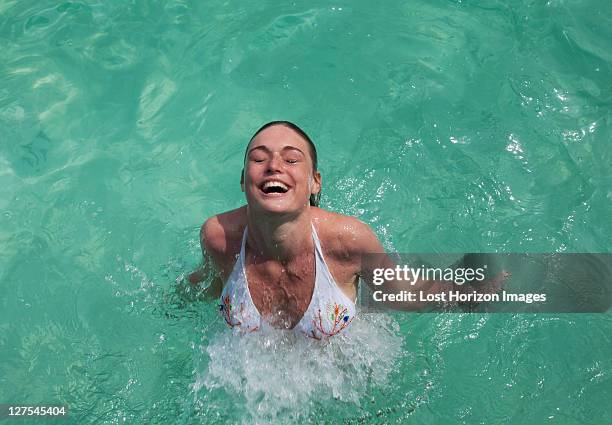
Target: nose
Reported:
[(275, 163)]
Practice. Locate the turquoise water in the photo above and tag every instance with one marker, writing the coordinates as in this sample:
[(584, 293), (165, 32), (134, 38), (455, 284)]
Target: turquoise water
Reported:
[(448, 126)]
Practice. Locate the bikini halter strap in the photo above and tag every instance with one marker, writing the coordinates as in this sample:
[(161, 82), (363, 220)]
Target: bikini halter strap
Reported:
[(243, 245)]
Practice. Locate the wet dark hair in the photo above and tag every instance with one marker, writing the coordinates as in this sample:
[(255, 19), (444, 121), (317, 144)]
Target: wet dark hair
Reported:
[(314, 199)]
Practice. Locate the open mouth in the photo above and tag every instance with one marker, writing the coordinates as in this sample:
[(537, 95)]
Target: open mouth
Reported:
[(274, 187)]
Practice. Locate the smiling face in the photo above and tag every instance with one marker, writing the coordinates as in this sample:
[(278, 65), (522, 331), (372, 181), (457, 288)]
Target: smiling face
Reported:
[(278, 172)]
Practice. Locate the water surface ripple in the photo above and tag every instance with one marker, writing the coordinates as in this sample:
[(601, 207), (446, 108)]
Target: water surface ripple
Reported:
[(447, 126)]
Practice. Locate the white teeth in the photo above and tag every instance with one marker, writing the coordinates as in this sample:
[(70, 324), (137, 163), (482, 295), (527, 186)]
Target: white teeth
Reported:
[(275, 184)]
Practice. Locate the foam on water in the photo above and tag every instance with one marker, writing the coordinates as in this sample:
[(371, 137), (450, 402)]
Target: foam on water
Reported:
[(281, 377)]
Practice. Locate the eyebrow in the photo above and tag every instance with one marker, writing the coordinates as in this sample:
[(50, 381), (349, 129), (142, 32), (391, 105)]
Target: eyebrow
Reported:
[(285, 148)]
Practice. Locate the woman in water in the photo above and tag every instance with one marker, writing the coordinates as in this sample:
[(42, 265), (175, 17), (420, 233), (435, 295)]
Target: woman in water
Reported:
[(280, 259)]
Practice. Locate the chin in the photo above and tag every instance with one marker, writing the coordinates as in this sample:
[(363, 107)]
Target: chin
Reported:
[(282, 205)]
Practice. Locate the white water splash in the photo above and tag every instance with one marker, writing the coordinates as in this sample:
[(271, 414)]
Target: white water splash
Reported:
[(276, 376)]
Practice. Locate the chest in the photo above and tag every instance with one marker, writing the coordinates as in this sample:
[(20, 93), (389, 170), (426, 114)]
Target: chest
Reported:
[(281, 292)]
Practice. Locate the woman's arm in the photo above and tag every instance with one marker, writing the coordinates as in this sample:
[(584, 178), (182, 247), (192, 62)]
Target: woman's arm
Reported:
[(373, 255), (207, 272)]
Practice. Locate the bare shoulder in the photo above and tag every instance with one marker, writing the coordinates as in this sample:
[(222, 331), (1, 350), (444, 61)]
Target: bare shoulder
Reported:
[(344, 236), (222, 232)]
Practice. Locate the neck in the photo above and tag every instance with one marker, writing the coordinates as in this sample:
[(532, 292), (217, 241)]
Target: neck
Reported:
[(279, 237)]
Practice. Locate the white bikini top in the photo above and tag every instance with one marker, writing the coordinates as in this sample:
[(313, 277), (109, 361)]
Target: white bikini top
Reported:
[(329, 312)]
